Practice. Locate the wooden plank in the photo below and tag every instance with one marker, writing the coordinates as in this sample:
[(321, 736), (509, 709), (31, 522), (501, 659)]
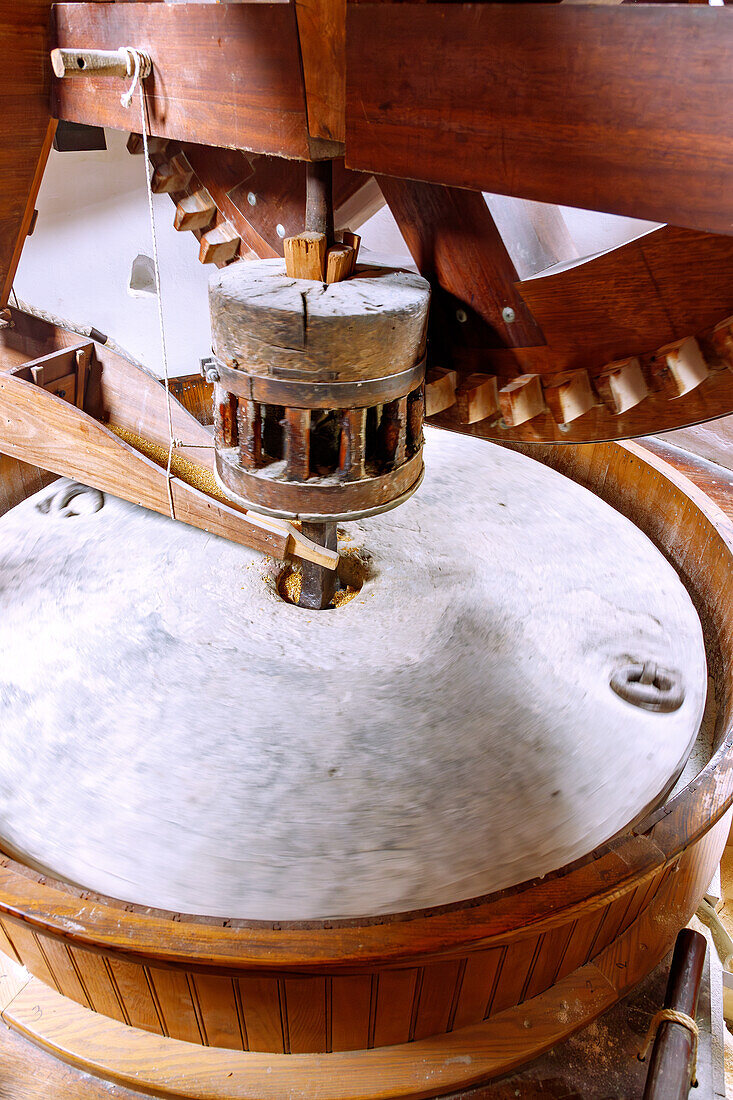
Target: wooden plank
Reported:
[(190, 95), (26, 129), (395, 998), (322, 36), (544, 104), (42, 429), (216, 998), (133, 990), (477, 986), (98, 983), (305, 1000), (350, 1003), (260, 999), (437, 990), (174, 995)]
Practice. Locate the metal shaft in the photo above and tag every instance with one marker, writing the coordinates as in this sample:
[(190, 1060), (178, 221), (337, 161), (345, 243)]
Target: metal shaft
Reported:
[(318, 584), (319, 198)]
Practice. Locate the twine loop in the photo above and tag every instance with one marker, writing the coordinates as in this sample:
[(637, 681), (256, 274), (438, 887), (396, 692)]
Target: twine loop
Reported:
[(672, 1016)]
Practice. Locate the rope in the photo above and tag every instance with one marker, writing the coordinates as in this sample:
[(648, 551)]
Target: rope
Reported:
[(672, 1016), (141, 68)]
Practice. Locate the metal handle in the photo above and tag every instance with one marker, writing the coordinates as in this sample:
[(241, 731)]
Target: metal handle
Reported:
[(648, 686)]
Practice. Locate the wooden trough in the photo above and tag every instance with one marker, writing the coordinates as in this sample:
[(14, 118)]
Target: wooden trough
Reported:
[(412, 1005)]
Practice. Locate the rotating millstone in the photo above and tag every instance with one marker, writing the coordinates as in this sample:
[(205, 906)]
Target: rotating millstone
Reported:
[(319, 389)]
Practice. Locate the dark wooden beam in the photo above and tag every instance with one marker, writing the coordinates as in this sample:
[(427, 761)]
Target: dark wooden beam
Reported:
[(456, 245), (223, 74), (26, 128), (624, 109)]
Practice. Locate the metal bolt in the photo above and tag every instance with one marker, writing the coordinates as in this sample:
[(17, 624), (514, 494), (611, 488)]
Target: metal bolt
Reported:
[(280, 230), (212, 374), (251, 198), (461, 316), (508, 315), (563, 427)]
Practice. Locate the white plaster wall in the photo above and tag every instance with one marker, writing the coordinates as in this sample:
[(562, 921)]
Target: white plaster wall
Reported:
[(92, 222)]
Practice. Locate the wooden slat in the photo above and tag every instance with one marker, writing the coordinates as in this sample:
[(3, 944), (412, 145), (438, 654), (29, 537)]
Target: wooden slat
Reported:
[(350, 1004), (395, 999), (477, 986), (131, 985), (216, 997), (305, 1000), (98, 983), (437, 990), (262, 110), (260, 1001), (618, 108), (174, 996), (26, 130)]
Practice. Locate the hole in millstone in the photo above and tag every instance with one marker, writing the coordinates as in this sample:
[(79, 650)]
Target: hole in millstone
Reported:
[(353, 571)]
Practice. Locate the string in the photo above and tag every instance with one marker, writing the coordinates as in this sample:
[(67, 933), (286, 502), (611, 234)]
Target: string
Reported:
[(139, 62)]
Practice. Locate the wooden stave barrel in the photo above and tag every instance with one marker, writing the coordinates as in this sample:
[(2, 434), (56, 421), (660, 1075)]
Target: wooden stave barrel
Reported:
[(422, 978)]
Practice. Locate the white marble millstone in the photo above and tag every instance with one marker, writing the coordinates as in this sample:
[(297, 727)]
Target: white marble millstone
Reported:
[(173, 734)]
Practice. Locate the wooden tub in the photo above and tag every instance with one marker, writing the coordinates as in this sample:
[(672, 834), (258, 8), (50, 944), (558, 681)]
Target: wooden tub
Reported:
[(418, 1004)]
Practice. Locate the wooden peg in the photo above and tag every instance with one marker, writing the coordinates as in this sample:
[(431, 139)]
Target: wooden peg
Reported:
[(83, 358), (339, 262), (569, 395), (195, 211), (621, 385), (354, 240), (680, 367), (477, 398), (521, 400), (171, 175), (219, 245), (440, 390), (297, 426), (76, 63), (305, 256)]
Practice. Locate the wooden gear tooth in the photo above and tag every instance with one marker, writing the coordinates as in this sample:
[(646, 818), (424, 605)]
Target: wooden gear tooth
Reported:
[(171, 175), (679, 368), (722, 342), (569, 395), (440, 390), (195, 211), (477, 398), (219, 245), (622, 385), (522, 399)]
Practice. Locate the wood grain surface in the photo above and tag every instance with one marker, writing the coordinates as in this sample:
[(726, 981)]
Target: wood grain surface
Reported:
[(618, 108), (192, 94), (26, 128)]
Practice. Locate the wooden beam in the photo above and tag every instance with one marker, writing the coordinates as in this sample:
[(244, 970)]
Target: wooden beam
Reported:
[(617, 108), (191, 96), (456, 245), (322, 35), (26, 128)]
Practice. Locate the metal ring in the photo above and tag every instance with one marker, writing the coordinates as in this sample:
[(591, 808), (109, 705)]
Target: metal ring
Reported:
[(648, 686), (303, 394)]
